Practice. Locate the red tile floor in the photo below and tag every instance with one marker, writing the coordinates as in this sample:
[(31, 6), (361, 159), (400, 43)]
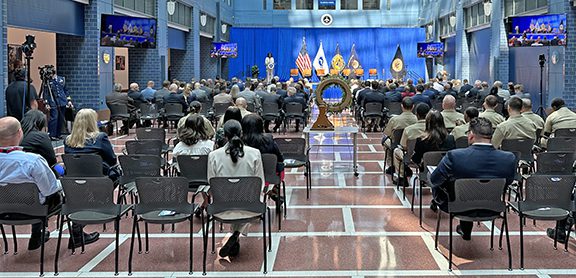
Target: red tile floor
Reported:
[(350, 227)]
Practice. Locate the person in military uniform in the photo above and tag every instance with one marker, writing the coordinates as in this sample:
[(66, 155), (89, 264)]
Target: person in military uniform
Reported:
[(57, 99), (461, 130), (527, 113), (401, 121), (516, 127), (562, 117), (490, 103), (412, 132), (452, 118)]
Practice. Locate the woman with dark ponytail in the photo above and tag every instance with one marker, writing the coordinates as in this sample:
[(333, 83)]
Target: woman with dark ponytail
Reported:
[(235, 159)]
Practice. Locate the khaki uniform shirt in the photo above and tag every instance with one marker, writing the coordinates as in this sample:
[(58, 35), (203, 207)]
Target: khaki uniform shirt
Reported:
[(452, 118), (535, 118), (413, 132), (516, 127), (493, 117), (561, 118), (400, 122), (207, 124), (460, 131)]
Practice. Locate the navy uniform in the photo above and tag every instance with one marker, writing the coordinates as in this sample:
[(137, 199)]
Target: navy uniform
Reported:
[(57, 100)]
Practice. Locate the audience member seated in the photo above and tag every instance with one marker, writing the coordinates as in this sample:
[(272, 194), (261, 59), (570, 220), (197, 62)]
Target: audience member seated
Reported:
[(87, 139), (373, 96), (451, 117), (149, 91), (193, 138), (194, 109), (199, 94), (119, 98), (397, 122), (465, 88), (222, 97), (411, 132), (480, 160), (429, 91), (36, 140), (293, 98), (420, 98), (516, 127), (393, 95), (469, 114), (187, 93), (136, 95), (490, 103), (232, 113), (527, 113), (242, 105), (436, 137), (175, 97), (273, 97), (474, 91), (234, 91), (562, 117), (249, 95), (235, 160), (253, 136), (17, 167)]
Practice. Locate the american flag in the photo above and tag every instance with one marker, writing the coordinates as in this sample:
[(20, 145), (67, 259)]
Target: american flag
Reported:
[(303, 61)]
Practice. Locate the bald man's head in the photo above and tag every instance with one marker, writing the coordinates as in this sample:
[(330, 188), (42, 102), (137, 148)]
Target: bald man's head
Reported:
[(134, 86), (526, 105), (10, 132), (449, 102), (241, 103)]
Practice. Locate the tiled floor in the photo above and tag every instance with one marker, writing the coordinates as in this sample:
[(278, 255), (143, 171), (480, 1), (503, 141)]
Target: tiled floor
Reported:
[(350, 227)]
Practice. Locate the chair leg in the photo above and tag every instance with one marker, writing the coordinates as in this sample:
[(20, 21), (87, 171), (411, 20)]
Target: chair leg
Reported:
[(439, 216), (492, 237), (505, 224), (42, 237), (191, 242), (139, 237), (556, 236), (450, 245), (205, 243), (60, 228), (264, 242), (285, 199), (71, 236), (521, 241), (4, 239), (147, 238), (134, 225), (213, 238), (82, 241), (413, 194), (117, 228), (269, 232), (567, 237), (420, 197), (15, 240), (501, 229)]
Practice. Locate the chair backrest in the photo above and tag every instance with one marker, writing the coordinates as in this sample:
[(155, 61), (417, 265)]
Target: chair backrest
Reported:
[(146, 133), (411, 145), (478, 194), (462, 142), (373, 109), (550, 190), (567, 144), (555, 163), (194, 167), (523, 146), (118, 110), (94, 194), (21, 198), (134, 166), (235, 190), (565, 132), (432, 159), (251, 107), (83, 165), (269, 161), (270, 109), (396, 137), (206, 107), (148, 146), (162, 193), (292, 148), (395, 108), (148, 110), (173, 109), (220, 109), (294, 109)]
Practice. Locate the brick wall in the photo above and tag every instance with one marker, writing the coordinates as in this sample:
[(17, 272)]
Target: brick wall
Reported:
[(4, 53), (77, 60), (144, 65), (182, 61), (570, 58), (208, 65)]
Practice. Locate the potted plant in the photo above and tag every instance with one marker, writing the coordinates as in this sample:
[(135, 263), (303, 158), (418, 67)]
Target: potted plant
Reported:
[(255, 71)]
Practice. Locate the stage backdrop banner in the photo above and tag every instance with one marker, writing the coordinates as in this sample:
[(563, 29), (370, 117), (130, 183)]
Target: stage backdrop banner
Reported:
[(375, 45)]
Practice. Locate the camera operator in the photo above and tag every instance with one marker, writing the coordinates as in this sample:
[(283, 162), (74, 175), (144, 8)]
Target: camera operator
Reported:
[(18, 99), (56, 96)]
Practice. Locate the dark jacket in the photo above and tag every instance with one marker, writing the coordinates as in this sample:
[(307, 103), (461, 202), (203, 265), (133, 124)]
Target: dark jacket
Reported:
[(274, 98), (138, 98), (296, 99), (420, 98), (176, 98), (476, 161), (39, 142), (269, 146), (423, 146), (465, 88), (100, 146), (374, 96), (394, 96), (14, 93)]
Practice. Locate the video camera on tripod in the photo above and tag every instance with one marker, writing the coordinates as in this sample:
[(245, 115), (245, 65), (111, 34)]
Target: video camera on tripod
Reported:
[(47, 72)]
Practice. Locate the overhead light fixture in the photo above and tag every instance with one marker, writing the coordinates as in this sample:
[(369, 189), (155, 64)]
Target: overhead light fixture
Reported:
[(452, 20), (488, 8), (171, 7), (224, 27), (203, 19)]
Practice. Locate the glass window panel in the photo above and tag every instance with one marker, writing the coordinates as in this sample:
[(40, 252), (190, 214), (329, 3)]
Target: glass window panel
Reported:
[(481, 16), (119, 2), (531, 5), (509, 7), (349, 4), (304, 4), (474, 15), (150, 7), (282, 4), (129, 4), (519, 6), (542, 3), (371, 4)]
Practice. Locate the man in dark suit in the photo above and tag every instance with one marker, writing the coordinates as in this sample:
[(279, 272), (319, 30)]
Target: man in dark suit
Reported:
[(175, 97), (465, 88), (281, 91), (293, 98), (136, 95), (394, 95), (272, 97), (371, 96), (119, 98), (420, 98), (480, 160)]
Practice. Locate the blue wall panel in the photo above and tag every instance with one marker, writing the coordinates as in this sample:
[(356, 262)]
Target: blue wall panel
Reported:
[(375, 47), (59, 16), (479, 44), (450, 56), (176, 39)]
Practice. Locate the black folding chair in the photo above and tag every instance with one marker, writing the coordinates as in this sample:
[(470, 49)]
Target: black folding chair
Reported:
[(83, 165), (296, 156), (565, 132), (148, 112), (372, 110), (269, 162), (134, 166), (428, 159), (173, 112), (555, 163), (561, 144), (271, 111), (462, 142), (294, 111), (394, 142), (119, 112)]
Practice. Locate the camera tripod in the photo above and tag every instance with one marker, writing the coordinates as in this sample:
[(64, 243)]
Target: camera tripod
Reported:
[(46, 86), (541, 111)]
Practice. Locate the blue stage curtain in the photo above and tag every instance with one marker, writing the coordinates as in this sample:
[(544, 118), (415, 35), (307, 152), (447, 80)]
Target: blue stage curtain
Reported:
[(480, 55), (375, 48)]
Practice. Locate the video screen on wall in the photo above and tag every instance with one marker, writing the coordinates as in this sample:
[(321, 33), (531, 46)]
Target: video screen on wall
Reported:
[(538, 30), (430, 49), (127, 31), (224, 50)]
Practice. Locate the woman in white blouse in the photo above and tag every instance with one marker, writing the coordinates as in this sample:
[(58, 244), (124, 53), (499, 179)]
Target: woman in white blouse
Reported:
[(269, 62), (193, 137)]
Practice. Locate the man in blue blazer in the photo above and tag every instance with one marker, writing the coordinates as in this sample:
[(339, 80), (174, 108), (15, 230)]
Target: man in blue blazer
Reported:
[(480, 160)]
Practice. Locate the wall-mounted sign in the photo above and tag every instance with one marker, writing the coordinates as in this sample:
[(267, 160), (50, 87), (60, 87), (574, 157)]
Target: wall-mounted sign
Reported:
[(329, 4), (326, 19)]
